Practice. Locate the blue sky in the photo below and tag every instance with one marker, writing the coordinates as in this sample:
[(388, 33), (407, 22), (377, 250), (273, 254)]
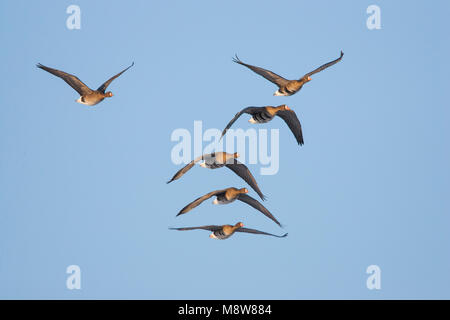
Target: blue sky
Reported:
[(86, 186)]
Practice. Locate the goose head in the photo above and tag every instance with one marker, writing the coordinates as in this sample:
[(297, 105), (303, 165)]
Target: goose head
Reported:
[(238, 225)]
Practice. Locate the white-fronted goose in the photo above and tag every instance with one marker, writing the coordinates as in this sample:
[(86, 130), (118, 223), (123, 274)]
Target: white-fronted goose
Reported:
[(218, 160), (265, 114), (286, 87), (229, 195), (225, 231), (87, 96)]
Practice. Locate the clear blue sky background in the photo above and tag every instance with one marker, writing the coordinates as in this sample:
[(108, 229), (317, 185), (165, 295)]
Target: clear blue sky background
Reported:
[(86, 186)]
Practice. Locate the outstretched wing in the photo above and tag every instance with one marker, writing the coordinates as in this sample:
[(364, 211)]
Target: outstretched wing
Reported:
[(247, 230), (103, 87), (326, 65), (258, 206), (70, 79), (185, 169), (242, 171), (249, 110), (199, 200), (293, 123), (269, 75), (210, 228)]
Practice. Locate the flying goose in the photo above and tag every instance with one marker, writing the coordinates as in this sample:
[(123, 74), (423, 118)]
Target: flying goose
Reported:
[(229, 195), (220, 159), (225, 231), (87, 96), (265, 114), (286, 87)]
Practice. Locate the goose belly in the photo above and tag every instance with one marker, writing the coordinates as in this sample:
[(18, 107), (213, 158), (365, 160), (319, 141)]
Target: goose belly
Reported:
[(211, 163), (262, 117), (88, 102), (222, 200), (219, 234)]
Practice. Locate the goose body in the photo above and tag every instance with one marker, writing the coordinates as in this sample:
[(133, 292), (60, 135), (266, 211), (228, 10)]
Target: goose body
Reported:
[(262, 116), (218, 160), (91, 99), (266, 114), (88, 96), (225, 231), (286, 87), (229, 195)]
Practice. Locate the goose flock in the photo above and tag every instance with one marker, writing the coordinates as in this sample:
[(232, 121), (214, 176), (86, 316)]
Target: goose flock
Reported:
[(220, 159)]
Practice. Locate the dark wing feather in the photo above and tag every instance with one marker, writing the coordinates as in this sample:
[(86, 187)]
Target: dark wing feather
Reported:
[(259, 232), (258, 206), (242, 171), (185, 169), (269, 75), (199, 200), (103, 87), (293, 123), (322, 67), (249, 110), (70, 79), (210, 228)]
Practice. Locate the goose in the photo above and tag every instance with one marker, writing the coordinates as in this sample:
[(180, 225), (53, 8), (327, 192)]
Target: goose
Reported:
[(220, 159), (229, 195), (286, 87), (88, 96), (265, 114), (225, 231)]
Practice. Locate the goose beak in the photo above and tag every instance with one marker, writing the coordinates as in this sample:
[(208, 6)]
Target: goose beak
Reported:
[(309, 78)]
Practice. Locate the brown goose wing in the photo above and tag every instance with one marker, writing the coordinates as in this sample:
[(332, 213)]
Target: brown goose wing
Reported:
[(242, 171), (185, 169), (259, 232), (269, 75), (199, 200), (70, 79), (210, 228), (326, 65), (293, 123), (103, 87), (258, 206), (249, 110)]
